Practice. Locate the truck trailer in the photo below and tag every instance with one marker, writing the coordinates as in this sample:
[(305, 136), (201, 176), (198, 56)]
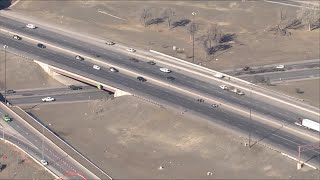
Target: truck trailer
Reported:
[(309, 124)]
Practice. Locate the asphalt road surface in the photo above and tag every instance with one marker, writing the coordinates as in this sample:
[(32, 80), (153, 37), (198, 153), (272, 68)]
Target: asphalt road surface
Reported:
[(284, 75), (164, 96), (40, 149), (61, 96)]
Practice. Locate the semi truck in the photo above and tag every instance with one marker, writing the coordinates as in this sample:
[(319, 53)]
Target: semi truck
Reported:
[(307, 123)]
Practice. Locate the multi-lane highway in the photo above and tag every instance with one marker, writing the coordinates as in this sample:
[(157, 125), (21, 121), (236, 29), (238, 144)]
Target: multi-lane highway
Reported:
[(61, 95), (40, 148), (155, 92)]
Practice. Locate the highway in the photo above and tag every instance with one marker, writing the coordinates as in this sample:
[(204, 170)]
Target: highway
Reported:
[(59, 162), (164, 96), (284, 75), (185, 82), (62, 95)]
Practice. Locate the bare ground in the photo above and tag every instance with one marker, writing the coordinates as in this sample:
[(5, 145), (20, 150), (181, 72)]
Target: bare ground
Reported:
[(310, 88), (247, 20), (24, 74), (130, 139), (18, 165)]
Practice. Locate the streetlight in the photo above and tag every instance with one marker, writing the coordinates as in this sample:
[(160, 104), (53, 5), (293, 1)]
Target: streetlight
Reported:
[(193, 15), (5, 73), (250, 116)]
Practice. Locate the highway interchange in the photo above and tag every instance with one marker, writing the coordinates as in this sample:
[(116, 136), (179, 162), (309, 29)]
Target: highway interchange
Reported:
[(164, 95), (30, 141)]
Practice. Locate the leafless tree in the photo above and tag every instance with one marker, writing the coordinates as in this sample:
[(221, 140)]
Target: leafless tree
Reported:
[(282, 25), (169, 14), (211, 40), (145, 15), (308, 14)]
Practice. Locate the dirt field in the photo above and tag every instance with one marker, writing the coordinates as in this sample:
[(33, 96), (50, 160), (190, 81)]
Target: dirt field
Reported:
[(311, 89), (24, 74), (131, 139), (10, 157), (245, 20)]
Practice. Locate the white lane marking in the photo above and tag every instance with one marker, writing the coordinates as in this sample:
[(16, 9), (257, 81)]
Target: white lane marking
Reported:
[(103, 12)]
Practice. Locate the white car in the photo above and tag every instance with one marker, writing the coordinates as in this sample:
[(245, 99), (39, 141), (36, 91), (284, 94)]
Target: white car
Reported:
[(16, 37), (44, 162), (112, 69), (218, 75), (131, 50), (79, 58), (48, 99), (31, 26), (280, 67), (110, 43), (224, 87), (96, 67), (166, 70)]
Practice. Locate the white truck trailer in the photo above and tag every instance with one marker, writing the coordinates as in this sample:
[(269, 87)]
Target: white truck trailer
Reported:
[(309, 124)]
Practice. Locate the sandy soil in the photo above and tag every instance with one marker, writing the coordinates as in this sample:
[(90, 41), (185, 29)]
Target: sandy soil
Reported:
[(24, 74), (247, 20), (130, 139), (311, 89), (28, 169)]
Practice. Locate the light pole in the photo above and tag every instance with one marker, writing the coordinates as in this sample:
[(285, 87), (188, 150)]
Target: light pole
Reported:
[(193, 15), (42, 141), (5, 74), (250, 116)]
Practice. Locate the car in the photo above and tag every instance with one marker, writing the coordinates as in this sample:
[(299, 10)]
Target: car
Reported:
[(48, 99), (151, 63), (31, 26), (44, 162), (6, 118), (240, 93), (112, 69), (10, 91), (280, 66), (142, 79), (41, 45), (165, 70), (224, 87), (110, 43), (133, 60), (200, 100), (79, 58), (96, 67), (131, 50), (246, 68), (215, 105), (170, 78), (16, 37), (218, 75), (73, 87)]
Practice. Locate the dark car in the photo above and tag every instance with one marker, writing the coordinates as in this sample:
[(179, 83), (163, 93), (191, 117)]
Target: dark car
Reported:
[(10, 91), (170, 78), (41, 46), (151, 63), (134, 60), (246, 68), (73, 87), (200, 100), (141, 79), (17, 37)]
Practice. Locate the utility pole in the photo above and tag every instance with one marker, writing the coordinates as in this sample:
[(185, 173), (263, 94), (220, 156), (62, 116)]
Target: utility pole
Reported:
[(250, 116), (42, 141), (5, 74), (193, 15)]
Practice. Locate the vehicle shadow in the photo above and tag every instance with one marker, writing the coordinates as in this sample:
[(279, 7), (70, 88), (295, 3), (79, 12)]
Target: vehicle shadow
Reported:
[(4, 4)]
